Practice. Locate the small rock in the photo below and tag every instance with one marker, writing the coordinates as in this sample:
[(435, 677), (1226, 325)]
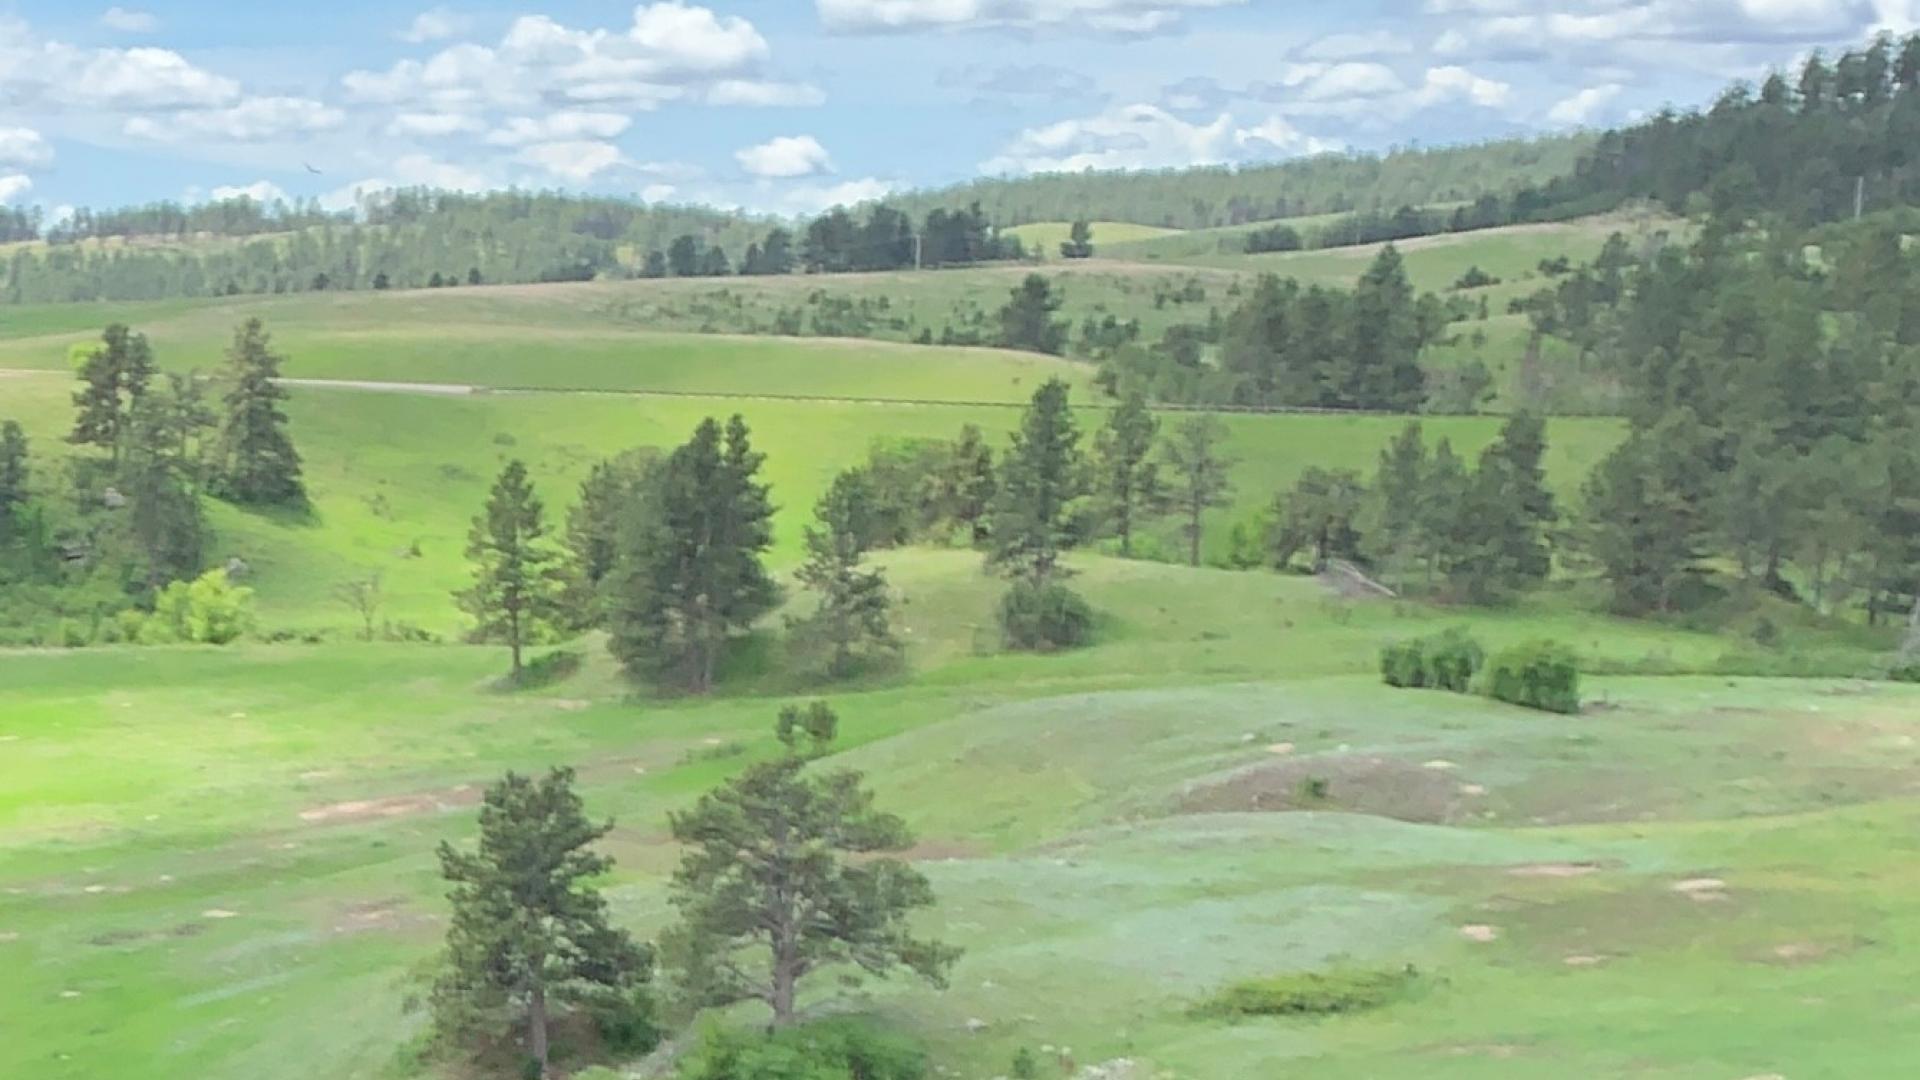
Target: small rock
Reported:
[(1693, 886), (1480, 933), (9, 935), (1584, 961), (69, 993), (96, 889), (976, 1025)]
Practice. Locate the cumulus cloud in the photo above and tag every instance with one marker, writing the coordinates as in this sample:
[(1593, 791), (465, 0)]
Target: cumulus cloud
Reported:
[(1581, 109), (814, 198), (1360, 45), (1146, 137), (785, 157), (1020, 82), (252, 120), (1453, 83), (129, 20), (48, 76), (264, 192), (13, 186), (1106, 16), (670, 51), (23, 148), (434, 24), (577, 160), (433, 125), (567, 124)]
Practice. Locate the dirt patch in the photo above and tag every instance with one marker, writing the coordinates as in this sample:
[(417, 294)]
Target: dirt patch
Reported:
[(1584, 961), (390, 807), (1800, 952), (1479, 932), (1554, 870), (1702, 889), (1384, 787)]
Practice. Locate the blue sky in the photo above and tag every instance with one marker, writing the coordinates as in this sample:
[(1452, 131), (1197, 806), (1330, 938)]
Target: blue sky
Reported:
[(788, 106)]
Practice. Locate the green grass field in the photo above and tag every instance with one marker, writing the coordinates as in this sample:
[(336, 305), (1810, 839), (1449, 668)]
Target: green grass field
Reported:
[(218, 864), (1045, 237)]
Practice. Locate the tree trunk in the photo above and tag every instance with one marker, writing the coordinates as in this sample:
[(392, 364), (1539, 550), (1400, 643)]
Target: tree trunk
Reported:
[(537, 1026), (1193, 534), (1126, 533), (513, 640)]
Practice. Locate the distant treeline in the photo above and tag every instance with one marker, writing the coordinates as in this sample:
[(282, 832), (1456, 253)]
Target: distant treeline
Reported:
[(1214, 197), (840, 242)]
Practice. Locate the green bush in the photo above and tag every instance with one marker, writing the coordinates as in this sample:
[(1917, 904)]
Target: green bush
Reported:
[(839, 1049), (1309, 993), (1042, 618), (1445, 661), (1538, 675), (628, 1022), (210, 610), (546, 670), (1906, 673)]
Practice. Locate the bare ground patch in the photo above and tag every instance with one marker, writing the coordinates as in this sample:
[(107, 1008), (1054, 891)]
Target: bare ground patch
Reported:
[(1385, 787), (391, 806)]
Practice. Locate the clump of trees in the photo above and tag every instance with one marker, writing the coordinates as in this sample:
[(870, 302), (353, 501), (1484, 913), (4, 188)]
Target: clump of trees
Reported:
[(1079, 241), (126, 521)]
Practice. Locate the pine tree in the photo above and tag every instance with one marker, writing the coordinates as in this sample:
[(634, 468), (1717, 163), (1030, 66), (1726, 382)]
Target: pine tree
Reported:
[(1126, 478), (1079, 242), (1385, 338), (261, 465), (529, 932), (1027, 322), (1041, 476), (853, 620), (1319, 515), (1200, 473), (114, 376), (1392, 531), (1643, 522), (689, 575), (160, 522), (517, 582), (613, 489), (1501, 545), (13, 475), (786, 873), (967, 483)]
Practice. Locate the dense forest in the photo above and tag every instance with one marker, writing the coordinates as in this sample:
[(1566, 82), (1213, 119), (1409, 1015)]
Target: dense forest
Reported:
[(1212, 197)]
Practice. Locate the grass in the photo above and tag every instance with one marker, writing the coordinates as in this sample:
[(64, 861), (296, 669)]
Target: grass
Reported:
[(1045, 237), (203, 853), (396, 478)]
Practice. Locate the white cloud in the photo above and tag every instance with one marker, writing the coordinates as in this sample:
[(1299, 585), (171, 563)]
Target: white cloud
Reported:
[(1147, 137), (1357, 46), (764, 94), (264, 192), (1107, 16), (23, 148), (13, 186), (1453, 83), (785, 157), (434, 24), (577, 160), (432, 125), (252, 120), (559, 127), (813, 198), (129, 20), (655, 193), (1581, 108), (669, 48)]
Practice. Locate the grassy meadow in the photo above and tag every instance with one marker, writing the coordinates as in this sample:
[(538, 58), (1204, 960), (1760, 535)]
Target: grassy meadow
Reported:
[(217, 864)]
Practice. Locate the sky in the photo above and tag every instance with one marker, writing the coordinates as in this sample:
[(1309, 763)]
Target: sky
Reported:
[(791, 106)]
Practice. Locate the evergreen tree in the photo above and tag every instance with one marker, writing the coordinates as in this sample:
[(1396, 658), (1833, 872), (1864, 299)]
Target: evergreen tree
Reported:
[(1200, 472), (689, 575), (1027, 322), (786, 873), (613, 489), (161, 529), (1500, 542), (1126, 478), (683, 256), (1079, 242), (1319, 515), (776, 255), (1394, 536), (114, 376), (260, 464), (1385, 338), (1440, 515), (13, 476), (1041, 476), (529, 932), (1644, 516), (852, 622), (517, 581), (967, 484)]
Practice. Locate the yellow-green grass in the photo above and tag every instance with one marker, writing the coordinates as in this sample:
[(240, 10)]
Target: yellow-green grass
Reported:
[(395, 478), (1193, 244), (217, 864), (1045, 237)]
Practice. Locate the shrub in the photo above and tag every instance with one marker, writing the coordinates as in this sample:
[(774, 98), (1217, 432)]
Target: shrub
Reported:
[(1404, 664), (554, 667), (627, 1022), (1452, 660), (839, 1049), (1310, 993), (210, 610), (1042, 618), (1538, 675), (1445, 661), (1906, 673)]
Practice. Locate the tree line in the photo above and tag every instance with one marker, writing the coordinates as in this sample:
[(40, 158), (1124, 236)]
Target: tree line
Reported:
[(123, 522)]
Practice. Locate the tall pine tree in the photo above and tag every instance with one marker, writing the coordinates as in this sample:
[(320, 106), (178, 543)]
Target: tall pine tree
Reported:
[(1200, 476), (260, 464), (1126, 478), (689, 575), (852, 625), (529, 932), (114, 376), (517, 581), (1041, 477)]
